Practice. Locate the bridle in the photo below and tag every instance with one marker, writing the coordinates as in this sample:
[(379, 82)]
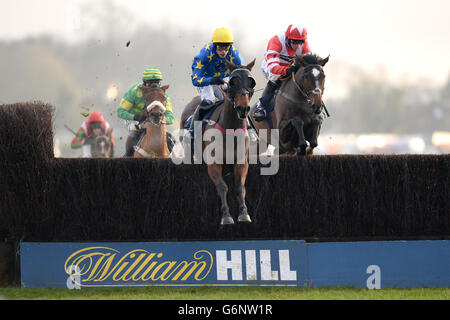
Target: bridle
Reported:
[(155, 102), (304, 92), (230, 93), (154, 122), (300, 86)]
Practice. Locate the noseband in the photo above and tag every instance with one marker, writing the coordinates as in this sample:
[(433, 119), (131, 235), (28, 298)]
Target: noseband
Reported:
[(155, 104)]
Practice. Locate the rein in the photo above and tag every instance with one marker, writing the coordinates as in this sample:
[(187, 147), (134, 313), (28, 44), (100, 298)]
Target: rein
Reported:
[(225, 96), (300, 88)]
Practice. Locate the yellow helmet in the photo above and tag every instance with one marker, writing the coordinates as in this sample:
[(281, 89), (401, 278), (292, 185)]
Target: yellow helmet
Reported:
[(222, 35)]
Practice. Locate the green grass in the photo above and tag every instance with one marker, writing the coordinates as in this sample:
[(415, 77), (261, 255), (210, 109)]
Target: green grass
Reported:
[(233, 293)]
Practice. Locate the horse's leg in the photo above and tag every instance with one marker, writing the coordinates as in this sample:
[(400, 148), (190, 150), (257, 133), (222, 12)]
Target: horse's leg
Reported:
[(298, 124), (215, 173), (315, 130), (316, 124), (264, 138), (240, 175), (110, 150)]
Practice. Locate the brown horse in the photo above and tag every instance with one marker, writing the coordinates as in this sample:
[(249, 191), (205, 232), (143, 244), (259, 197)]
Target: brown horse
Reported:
[(299, 107), (100, 146), (154, 142), (229, 121)]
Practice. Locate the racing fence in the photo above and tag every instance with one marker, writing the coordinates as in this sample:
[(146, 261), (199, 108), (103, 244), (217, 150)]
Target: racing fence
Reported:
[(357, 197)]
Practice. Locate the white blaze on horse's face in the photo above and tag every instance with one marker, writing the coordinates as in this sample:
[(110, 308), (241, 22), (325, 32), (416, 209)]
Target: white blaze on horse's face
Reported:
[(316, 73)]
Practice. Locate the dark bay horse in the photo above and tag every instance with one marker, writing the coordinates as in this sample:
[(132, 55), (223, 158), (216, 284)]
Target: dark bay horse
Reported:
[(299, 107), (154, 142), (100, 146), (229, 122)]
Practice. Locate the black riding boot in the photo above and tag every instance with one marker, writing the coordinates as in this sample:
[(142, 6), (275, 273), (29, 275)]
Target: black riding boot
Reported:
[(264, 102), (129, 145), (170, 141)]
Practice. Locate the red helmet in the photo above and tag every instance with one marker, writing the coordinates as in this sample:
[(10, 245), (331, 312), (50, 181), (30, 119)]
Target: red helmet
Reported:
[(295, 32), (96, 117)]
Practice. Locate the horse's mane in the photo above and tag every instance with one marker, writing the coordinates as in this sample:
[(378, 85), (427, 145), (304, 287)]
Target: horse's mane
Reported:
[(307, 59)]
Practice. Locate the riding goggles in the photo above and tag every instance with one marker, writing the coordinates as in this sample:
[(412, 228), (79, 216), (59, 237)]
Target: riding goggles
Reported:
[(95, 125), (223, 46), (296, 41)]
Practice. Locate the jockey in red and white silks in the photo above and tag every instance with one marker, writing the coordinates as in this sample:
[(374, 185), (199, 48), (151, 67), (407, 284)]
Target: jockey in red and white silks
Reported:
[(280, 53), (95, 125), (281, 49)]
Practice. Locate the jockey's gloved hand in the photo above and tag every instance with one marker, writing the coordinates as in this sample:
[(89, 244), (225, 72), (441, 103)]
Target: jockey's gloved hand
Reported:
[(291, 69), (217, 81), (139, 117)]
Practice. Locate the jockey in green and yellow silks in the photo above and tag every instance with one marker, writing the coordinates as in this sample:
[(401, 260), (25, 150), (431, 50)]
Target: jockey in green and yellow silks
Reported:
[(133, 101), (132, 105)]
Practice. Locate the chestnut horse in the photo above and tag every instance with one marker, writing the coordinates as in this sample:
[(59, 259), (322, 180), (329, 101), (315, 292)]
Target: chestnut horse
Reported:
[(298, 112), (230, 118), (154, 142)]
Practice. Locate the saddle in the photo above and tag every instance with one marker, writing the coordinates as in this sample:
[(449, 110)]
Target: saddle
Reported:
[(206, 117)]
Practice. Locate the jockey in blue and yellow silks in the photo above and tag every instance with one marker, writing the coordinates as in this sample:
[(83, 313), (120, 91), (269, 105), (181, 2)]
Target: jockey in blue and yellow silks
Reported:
[(209, 64), (209, 70)]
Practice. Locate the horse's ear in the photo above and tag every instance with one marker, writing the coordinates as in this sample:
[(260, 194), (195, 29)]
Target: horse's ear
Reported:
[(165, 87), (323, 62), (230, 65), (299, 60), (251, 65), (144, 89)]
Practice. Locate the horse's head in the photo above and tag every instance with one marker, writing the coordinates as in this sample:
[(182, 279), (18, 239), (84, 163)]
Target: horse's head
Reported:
[(156, 103), (100, 146), (310, 78), (241, 87)]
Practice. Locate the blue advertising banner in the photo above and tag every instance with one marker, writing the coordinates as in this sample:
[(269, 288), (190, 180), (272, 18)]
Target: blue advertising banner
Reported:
[(379, 264), (372, 265), (237, 263)]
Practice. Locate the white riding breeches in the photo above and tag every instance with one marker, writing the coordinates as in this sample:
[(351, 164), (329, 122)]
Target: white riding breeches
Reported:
[(212, 93), (86, 148)]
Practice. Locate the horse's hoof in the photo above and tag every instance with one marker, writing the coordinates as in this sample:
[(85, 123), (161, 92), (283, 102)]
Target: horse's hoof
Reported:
[(309, 151), (245, 217), (227, 220)]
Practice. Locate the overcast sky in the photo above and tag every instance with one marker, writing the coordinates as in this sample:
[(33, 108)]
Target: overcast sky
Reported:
[(409, 38)]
